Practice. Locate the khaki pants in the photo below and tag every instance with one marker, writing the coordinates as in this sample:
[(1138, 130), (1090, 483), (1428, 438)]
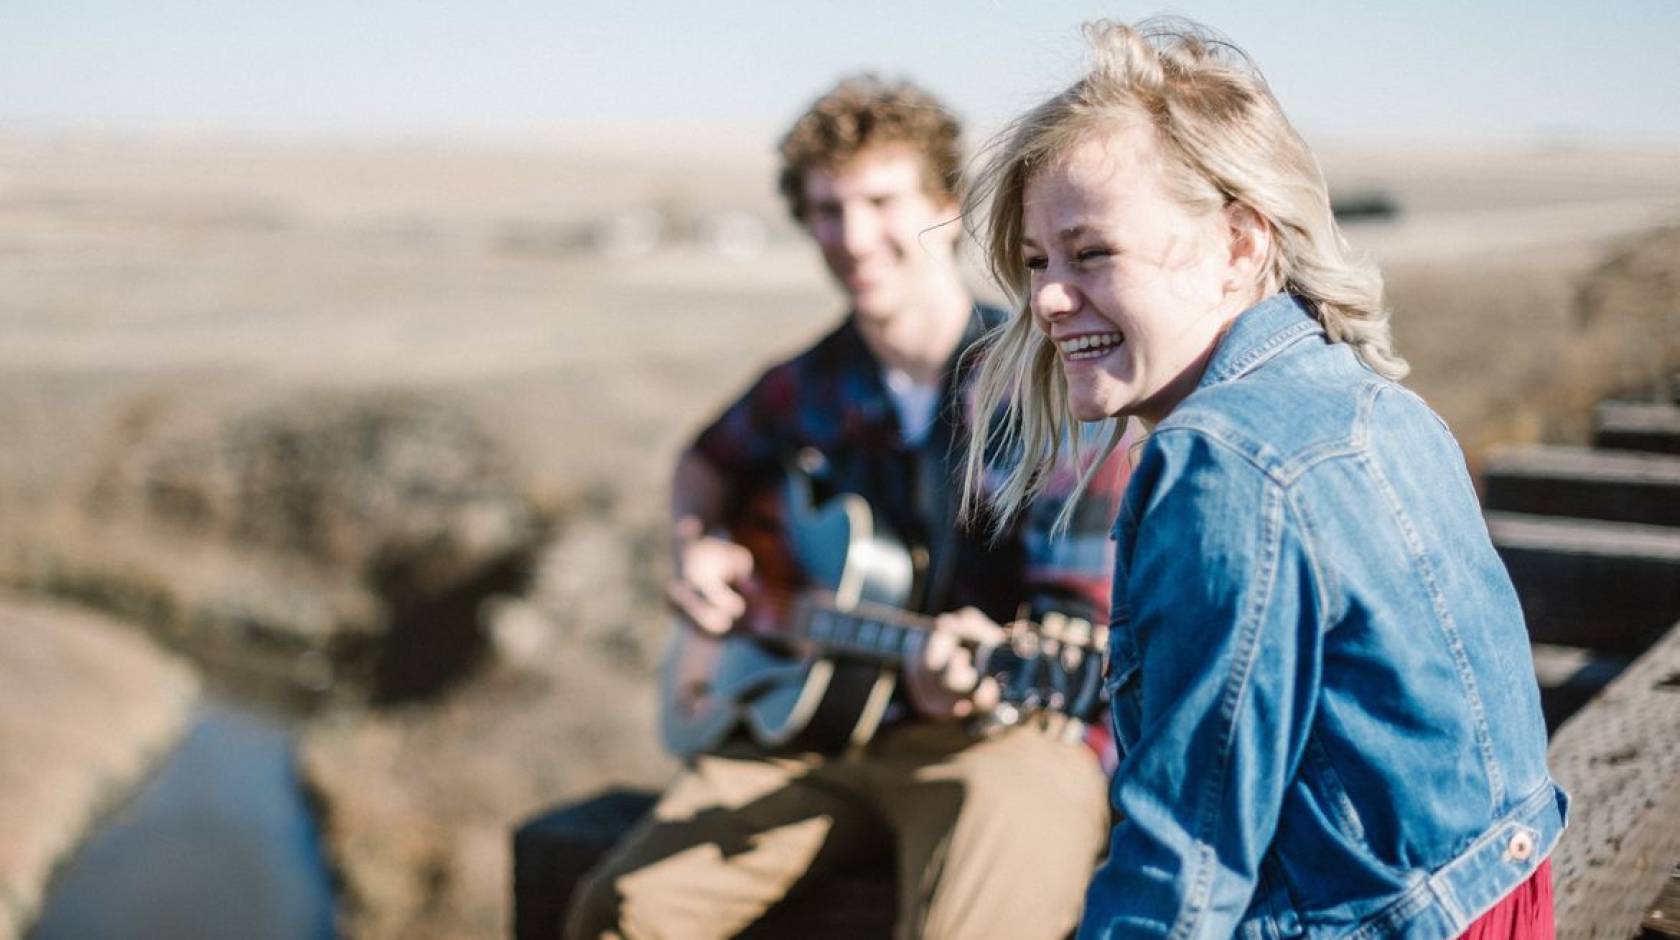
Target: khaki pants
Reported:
[(994, 837)]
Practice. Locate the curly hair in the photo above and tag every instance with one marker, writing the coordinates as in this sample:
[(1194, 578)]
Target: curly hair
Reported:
[(1224, 138), (863, 112)]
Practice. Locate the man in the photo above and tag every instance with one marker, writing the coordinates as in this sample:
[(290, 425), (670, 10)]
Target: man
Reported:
[(994, 835)]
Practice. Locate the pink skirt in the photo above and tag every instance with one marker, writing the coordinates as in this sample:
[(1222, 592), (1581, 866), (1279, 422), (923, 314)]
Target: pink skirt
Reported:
[(1524, 914)]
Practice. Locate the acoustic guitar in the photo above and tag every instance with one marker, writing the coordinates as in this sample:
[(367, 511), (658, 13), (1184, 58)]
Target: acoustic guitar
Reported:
[(813, 664)]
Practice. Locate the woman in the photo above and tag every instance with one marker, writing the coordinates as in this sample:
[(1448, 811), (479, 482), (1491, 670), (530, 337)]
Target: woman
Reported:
[(1319, 670)]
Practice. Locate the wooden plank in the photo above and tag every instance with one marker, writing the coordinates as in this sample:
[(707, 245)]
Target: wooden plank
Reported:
[(1569, 678), (1652, 427), (1619, 758), (1616, 486), (1662, 922), (1613, 587)]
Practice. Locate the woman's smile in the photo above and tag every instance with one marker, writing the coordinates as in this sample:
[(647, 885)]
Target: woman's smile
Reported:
[(1088, 346)]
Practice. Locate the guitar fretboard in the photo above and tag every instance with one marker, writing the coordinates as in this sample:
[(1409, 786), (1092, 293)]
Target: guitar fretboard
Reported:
[(1038, 676), (863, 633)]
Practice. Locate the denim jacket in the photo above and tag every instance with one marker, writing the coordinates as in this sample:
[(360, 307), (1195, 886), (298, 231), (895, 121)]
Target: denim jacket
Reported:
[(1320, 676)]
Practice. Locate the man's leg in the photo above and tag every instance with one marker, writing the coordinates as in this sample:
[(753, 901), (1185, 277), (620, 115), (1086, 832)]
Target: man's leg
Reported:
[(996, 837), (730, 838)]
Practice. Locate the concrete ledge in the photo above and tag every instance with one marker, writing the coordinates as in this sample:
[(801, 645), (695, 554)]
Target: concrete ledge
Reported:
[(86, 706), (553, 852)]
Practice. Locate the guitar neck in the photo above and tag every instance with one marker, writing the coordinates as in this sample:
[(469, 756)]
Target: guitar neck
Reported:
[(866, 631), (1055, 666)]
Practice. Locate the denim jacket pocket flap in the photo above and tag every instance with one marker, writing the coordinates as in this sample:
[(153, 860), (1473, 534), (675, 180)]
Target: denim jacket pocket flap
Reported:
[(1121, 683)]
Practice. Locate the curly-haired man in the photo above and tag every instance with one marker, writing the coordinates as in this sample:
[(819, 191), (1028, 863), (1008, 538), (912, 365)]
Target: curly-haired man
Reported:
[(993, 835)]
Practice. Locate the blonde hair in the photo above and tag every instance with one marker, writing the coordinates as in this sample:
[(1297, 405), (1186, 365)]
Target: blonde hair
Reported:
[(1222, 138)]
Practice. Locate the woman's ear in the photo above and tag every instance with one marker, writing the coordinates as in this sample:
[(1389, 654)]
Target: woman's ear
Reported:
[(1250, 247)]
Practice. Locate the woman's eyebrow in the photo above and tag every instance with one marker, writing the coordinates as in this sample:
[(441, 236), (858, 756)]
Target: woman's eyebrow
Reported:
[(1068, 234)]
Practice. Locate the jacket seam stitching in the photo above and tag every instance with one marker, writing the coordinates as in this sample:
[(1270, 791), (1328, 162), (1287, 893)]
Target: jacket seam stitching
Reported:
[(1412, 902), (1236, 689), (1264, 352), (1313, 749), (1280, 472), (1444, 622)]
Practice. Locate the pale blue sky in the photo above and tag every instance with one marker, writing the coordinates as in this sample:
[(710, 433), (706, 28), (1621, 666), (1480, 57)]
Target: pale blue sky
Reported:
[(1433, 69)]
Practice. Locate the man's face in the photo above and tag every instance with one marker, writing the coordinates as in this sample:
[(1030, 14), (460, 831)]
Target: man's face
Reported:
[(885, 239)]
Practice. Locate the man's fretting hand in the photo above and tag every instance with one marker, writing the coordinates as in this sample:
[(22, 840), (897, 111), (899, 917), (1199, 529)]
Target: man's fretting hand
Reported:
[(940, 673)]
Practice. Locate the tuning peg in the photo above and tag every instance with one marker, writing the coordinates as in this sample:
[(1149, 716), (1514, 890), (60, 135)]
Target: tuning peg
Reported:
[(1003, 715), (810, 461), (1076, 639), (1072, 655)]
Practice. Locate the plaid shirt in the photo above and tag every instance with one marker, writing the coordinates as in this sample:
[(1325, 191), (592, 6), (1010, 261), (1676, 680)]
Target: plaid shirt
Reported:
[(833, 398)]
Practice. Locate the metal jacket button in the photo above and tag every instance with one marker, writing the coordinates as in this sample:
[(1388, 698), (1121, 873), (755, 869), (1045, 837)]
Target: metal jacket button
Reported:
[(1521, 847)]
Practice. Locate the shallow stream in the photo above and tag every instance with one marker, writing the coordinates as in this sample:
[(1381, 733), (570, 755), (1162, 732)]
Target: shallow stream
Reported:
[(219, 843)]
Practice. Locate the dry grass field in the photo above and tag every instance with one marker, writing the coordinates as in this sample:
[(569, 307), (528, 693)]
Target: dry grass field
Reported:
[(134, 265), (521, 286)]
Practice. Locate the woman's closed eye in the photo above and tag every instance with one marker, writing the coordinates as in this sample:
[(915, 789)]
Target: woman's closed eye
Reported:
[(1083, 256)]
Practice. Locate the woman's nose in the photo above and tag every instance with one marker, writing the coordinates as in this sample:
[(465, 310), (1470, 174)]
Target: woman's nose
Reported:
[(1053, 299)]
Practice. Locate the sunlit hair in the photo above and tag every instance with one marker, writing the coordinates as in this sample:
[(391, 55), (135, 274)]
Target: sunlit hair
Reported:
[(865, 112), (1222, 138)]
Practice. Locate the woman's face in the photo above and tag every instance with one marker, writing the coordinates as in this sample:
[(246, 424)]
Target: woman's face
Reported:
[(1132, 288)]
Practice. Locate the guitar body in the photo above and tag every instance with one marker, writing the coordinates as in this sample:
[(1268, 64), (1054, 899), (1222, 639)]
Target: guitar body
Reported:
[(758, 678)]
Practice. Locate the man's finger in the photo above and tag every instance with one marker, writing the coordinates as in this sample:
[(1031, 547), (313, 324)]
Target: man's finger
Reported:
[(728, 602), (741, 563), (960, 675), (938, 649), (972, 625), (702, 614)]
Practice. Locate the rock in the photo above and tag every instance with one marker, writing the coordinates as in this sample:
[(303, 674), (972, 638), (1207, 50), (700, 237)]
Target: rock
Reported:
[(599, 582), (1627, 316), (418, 803), (319, 540), (86, 706)]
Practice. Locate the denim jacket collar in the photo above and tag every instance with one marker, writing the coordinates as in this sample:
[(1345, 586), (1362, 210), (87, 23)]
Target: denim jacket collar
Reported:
[(1257, 335)]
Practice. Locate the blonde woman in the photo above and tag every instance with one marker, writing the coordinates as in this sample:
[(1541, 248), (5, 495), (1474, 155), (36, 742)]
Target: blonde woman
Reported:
[(1319, 672)]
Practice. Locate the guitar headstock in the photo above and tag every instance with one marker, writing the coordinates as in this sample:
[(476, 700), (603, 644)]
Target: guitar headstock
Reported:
[(1050, 671)]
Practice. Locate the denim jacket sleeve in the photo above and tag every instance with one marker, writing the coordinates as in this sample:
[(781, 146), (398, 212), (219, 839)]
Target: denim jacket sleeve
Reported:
[(1220, 610)]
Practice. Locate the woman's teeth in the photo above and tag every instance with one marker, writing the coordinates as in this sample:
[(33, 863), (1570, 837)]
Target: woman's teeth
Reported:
[(1089, 346)]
